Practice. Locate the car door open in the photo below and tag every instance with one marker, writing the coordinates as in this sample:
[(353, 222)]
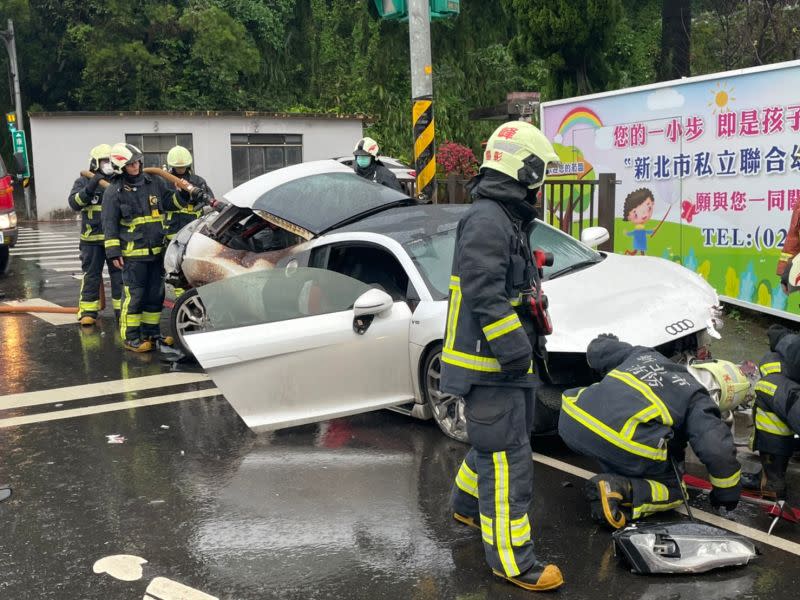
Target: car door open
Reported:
[(286, 346)]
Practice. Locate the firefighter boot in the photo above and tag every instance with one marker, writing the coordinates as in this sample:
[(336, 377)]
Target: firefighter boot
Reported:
[(773, 475), (87, 321), (138, 345), (608, 495), (539, 578)]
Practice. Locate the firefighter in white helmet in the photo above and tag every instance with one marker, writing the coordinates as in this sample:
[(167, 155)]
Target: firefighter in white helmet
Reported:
[(368, 165)]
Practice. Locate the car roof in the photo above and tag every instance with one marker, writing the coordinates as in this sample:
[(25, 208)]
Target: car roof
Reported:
[(408, 223)]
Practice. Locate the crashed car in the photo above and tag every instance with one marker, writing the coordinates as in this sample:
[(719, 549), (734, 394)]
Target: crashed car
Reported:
[(318, 294)]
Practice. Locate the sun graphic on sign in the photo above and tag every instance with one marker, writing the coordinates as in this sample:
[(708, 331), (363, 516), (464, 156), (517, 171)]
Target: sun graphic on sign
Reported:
[(722, 96)]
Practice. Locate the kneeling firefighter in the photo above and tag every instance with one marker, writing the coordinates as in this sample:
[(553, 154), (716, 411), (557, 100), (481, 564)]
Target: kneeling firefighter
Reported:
[(489, 349), (87, 197), (133, 225), (635, 422), (777, 411)]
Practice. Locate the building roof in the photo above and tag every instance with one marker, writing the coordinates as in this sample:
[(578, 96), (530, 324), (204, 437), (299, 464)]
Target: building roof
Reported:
[(199, 113)]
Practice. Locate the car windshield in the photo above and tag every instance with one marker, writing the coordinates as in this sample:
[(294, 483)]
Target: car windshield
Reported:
[(433, 255), (318, 202), (277, 295)]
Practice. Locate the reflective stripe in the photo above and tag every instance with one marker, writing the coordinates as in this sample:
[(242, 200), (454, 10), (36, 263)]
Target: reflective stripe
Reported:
[(467, 480), (151, 318), (766, 387), (135, 222), (93, 208), (473, 362), (643, 416), (111, 243), (89, 306), (501, 514), (516, 301), (658, 491), (116, 303), (141, 251), (452, 314), (78, 201), (569, 407), (487, 530), (769, 422), (726, 482), (646, 391), (123, 317), (770, 368), (502, 326), (520, 531), (95, 237), (647, 509)]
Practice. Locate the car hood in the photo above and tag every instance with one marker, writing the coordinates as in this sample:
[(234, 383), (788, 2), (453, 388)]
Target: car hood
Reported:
[(643, 300), (314, 197)]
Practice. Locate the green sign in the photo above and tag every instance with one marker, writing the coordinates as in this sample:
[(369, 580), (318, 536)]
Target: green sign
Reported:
[(441, 9), (20, 146), (397, 10)]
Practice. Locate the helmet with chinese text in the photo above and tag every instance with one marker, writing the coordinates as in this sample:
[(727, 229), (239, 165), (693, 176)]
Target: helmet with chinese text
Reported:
[(521, 151)]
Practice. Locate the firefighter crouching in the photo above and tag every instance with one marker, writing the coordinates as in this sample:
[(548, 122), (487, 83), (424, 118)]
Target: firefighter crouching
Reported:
[(489, 349), (635, 422), (133, 225), (86, 196)]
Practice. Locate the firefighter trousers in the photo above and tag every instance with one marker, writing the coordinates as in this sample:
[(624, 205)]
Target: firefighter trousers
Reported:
[(143, 298), (494, 485), (658, 492), (93, 257), (771, 434)]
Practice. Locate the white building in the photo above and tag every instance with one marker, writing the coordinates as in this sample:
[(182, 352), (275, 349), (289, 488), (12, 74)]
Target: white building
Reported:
[(228, 147)]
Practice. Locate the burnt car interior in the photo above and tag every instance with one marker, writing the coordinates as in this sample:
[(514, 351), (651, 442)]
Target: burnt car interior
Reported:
[(252, 233)]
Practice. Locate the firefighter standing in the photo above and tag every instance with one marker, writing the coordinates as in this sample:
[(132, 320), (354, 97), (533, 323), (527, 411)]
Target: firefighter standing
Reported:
[(183, 211), (489, 349), (777, 411), (368, 165), (133, 225), (87, 196), (635, 422)]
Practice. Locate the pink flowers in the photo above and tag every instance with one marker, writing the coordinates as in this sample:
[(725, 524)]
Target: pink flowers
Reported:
[(455, 158)]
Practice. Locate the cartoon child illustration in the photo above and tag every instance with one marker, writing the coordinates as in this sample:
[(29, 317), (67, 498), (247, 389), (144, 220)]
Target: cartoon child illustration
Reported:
[(638, 209)]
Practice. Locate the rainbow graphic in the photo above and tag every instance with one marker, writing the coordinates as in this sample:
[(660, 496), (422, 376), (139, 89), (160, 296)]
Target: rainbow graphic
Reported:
[(579, 115)]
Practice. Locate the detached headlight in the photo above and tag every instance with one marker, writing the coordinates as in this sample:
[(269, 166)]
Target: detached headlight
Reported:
[(8, 220)]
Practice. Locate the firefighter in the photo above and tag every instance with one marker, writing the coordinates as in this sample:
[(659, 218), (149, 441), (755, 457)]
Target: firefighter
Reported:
[(133, 225), (86, 197), (635, 423), (489, 350), (368, 165), (777, 412)]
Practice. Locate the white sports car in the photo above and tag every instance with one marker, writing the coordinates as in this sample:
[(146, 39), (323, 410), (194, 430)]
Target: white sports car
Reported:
[(341, 307)]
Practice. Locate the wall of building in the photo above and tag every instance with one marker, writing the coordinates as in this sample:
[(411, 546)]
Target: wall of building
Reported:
[(60, 144)]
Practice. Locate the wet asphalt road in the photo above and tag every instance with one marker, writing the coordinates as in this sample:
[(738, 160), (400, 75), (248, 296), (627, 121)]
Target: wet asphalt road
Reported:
[(351, 508)]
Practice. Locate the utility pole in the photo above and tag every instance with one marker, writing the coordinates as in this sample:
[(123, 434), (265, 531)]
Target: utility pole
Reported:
[(11, 47), (419, 34)]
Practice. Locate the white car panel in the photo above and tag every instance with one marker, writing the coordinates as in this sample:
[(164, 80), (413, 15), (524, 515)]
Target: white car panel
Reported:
[(306, 370)]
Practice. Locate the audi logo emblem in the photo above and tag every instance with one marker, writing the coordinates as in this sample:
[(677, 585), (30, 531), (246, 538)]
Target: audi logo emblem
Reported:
[(679, 327)]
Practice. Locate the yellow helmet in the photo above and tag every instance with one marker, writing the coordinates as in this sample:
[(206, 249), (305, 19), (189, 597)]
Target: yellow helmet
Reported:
[(178, 156), (366, 146), (98, 153), (732, 381), (521, 151)]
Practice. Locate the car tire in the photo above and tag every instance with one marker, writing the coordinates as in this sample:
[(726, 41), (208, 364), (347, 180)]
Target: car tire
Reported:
[(447, 410), (5, 260), (187, 315)]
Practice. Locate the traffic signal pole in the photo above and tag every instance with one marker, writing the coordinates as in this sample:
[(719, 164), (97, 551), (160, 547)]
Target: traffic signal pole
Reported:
[(11, 47), (419, 33)]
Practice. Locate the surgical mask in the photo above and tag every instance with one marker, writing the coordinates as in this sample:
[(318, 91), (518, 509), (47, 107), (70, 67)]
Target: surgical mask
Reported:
[(106, 168), (363, 161)]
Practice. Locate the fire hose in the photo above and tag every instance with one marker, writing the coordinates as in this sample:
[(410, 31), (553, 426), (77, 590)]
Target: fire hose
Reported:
[(181, 184)]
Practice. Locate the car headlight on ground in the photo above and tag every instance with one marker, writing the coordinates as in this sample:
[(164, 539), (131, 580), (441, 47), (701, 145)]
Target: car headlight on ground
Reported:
[(8, 220)]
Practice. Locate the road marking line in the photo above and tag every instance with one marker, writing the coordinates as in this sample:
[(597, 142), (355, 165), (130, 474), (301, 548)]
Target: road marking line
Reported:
[(700, 515), (30, 243), (37, 252), (104, 408), (59, 263), (62, 257), (65, 269), (103, 388)]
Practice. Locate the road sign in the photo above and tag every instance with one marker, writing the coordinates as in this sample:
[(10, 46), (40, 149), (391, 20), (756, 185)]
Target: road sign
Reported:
[(18, 137)]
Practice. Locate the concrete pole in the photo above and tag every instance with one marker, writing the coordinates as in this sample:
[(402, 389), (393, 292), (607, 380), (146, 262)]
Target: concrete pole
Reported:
[(419, 34), (11, 46)]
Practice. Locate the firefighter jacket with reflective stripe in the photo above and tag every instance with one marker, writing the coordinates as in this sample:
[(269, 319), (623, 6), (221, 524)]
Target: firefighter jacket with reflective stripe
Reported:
[(90, 207), (133, 217), (791, 245), (645, 409), (488, 324), (776, 414), (180, 210)]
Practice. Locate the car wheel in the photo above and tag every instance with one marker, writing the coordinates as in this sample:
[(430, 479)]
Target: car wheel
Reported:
[(448, 410), (187, 315), (5, 260)]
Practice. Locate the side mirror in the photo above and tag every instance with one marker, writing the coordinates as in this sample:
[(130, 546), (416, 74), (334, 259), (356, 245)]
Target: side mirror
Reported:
[(594, 236), (19, 163), (369, 304)]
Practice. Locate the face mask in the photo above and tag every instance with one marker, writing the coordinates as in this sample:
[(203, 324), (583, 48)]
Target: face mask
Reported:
[(363, 161), (106, 168)]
